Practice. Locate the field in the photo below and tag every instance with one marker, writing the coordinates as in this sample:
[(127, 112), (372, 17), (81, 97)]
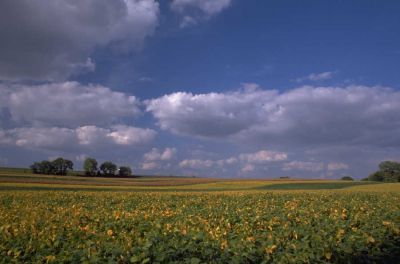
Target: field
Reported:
[(51, 219)]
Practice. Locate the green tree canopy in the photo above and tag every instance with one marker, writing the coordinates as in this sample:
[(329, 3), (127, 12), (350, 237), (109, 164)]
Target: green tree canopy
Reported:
[(90, 166), (389, 171), (108, 168), (125, 171), (347, 178), (58, 166), (61, 166)]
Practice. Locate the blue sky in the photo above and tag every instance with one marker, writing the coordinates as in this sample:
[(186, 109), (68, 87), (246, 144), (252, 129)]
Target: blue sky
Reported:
[(222, 88)]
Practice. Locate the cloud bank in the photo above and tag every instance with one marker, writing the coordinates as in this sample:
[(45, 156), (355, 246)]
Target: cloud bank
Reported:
[(57, 38), (305, 116), (66, 104), (58, 138)]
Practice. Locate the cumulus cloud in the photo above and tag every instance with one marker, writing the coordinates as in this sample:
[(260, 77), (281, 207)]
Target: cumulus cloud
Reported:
[(207, 115), (230, 161), (188, 21), (150, 165), (248, 161), (126, 135), (209, 7), (196, 163), (303, 166), (49, 138), (195, 10), (263, 156), (35, 47), (316, 77), (67, 138), (248, 168), (68, 104), (306, 116), (156, 159), (168, 154), (157, 155)]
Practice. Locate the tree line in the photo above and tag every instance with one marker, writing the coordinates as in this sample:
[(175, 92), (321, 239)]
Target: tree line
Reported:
[(107, 168), (61, 166), (58, 166), (389, 171)]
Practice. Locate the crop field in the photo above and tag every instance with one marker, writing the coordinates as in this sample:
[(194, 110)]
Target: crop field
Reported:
[(217, 221)]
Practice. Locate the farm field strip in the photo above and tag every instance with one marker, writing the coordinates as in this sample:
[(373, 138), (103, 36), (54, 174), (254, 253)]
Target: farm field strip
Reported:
[(193, 227), (209, 187)]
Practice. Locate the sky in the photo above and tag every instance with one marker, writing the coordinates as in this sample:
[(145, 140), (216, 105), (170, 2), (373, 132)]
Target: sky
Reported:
[(214, 88)]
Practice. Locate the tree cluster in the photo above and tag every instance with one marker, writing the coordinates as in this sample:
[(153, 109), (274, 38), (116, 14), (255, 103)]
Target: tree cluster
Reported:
[(59, 166), (107, 168), (389, 171), (347, 178)]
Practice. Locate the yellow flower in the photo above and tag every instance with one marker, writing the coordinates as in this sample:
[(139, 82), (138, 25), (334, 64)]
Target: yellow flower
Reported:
[(110, 232), (328, 255), (224, 244), (50, 258), (271, 249)]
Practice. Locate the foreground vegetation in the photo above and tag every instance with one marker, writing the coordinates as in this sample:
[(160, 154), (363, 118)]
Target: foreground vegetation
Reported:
[(218, 227), (66, 219)]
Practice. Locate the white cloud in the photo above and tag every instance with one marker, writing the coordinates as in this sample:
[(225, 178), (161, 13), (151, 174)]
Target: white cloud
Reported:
[(168, 154), (35, 47), (248, 168), (317, 77), (306, 116), (126, 135), (249, 161), (91, 135), (66, 104), (152, 155), (70, 118), (66, 138), (49, 138), (188, 21), (303, 166), (209, 7), (263, 156), (337, 166), (150, 166), (196, 163), (208, 115), (195, 10), (157, 155), (231, 160)]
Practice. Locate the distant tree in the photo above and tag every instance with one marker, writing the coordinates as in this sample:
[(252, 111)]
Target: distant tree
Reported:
[(61, 166), (376, 176), (125, 171), (58, 166), (347, 178), (42, 167), (389, 171), (46, 167), (389, 166), (90, 166), (108, 168), (35, 167)]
